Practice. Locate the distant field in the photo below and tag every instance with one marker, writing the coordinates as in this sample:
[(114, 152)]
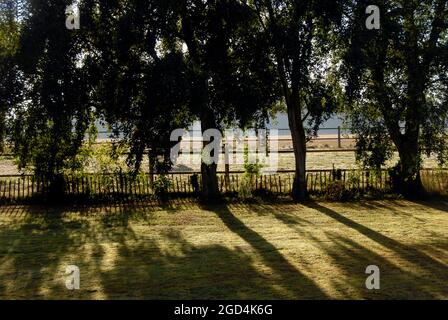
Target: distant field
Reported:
[(236, 251), (315, 161)]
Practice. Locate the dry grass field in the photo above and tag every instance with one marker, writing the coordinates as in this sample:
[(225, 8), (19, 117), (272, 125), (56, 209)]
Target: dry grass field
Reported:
[(323, 155), (315, 161), (235, 251)]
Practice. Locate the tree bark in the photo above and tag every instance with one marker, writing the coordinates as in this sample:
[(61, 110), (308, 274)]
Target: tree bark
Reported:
[(299, 192), (210, 186), (151, 171), (409, 182), (406, 179)]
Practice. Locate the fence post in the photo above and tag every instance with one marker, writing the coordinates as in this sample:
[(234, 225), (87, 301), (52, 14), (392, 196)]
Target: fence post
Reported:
[(227, 163), (339, 138)]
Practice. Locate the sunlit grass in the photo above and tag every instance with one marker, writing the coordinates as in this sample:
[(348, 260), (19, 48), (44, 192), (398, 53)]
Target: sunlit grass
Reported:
[(238, 251)]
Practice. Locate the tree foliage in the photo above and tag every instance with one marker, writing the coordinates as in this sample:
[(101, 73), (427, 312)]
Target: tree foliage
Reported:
[(141, 78), (299, 36), (50, 121), (397, 84), (10, 11), (234, 83), (147, 67)]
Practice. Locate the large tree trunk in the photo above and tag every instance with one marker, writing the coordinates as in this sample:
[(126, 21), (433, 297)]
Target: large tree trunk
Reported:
[(299, 192), (151, 161), (408, 148), (406, 179), (408, 182), (210, 186)]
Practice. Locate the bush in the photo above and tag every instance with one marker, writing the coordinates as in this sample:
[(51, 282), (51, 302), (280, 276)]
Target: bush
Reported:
[(161, 187), (265, 194), (251, 173), (245, 190), (336, 191)]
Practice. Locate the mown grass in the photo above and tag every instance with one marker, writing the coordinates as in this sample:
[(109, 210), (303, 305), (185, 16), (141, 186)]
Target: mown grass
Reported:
[(235, 251)]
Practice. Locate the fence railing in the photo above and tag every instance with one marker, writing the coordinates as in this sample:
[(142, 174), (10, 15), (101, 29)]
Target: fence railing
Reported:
[(118, 187)]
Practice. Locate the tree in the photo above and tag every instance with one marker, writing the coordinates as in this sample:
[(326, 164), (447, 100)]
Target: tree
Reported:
[(51, 119), (234, 82), (298, 37), (142, 81), (397, 85), (9, 39)]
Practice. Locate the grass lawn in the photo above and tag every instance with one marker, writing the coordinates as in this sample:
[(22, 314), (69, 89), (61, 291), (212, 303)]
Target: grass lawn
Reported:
[(235, 251)]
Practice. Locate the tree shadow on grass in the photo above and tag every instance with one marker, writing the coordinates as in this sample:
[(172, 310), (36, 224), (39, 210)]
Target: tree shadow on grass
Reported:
[(286, 275), (117, 263), (30, 252), (437, 204), (425, 264), (181, 270), (420, 276), (352, 259), (38, 243), (286, 216), (395, 207), (185, 271)]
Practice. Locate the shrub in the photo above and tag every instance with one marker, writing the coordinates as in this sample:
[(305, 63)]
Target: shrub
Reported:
[(264, 194), (161, 187), (251, 173), (336, 191)]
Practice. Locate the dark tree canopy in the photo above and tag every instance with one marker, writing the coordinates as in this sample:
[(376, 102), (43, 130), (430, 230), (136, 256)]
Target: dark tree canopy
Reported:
[(397, 84), (299, 36), (226, 50), (50, 122), (142, 81), (234, 82), (10, 11), (148, 67)]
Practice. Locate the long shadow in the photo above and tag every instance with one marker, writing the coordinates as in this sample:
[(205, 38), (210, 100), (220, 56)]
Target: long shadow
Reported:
[(289, 277), (352, 258), (116, 263), (285, 216), (166, 265), (424, 261), (439, 204), (145, 270), (37, 243), (31, 248), (394, 207)]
